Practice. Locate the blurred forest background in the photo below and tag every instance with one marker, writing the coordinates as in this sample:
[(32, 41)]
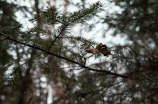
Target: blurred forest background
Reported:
[(78, 51)]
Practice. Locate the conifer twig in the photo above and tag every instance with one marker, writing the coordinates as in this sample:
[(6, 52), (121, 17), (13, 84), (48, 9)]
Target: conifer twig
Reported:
[(64, 26), (67, 59)]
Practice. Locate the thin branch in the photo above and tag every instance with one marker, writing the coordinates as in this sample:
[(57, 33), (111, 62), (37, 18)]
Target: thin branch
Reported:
[(129, 19), (57, 36), (32, 58), (59, 21), (149, 96), (48, 52), (146, 48)]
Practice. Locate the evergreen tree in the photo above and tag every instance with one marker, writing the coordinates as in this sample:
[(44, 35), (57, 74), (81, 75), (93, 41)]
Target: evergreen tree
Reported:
[(120, 74), (138, 21)]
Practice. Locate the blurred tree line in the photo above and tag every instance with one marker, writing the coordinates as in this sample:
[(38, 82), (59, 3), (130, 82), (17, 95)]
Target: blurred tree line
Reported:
[(47, 63)]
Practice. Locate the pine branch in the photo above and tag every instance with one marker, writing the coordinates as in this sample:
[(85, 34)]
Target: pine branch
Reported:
[(79, 16), (48, 52), (64, 26)]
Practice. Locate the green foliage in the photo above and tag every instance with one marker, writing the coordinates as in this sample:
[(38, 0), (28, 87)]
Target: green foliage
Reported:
[(126, 73), (52, 16), (5, 57)]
